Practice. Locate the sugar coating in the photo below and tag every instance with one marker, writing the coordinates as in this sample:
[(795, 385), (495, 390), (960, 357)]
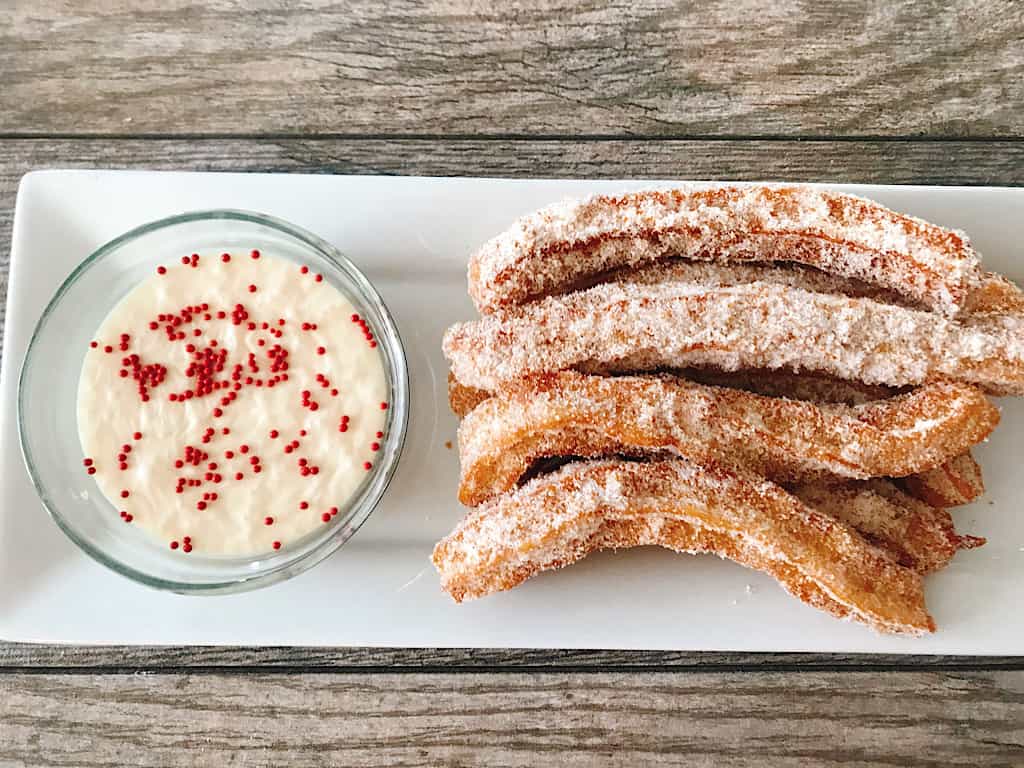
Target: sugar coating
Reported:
[(557, 519), (841, 234), (640, 327), (916, 534), (784, 440)]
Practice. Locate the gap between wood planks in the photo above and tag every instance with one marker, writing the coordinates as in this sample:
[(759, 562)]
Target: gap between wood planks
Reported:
[(538, 137)]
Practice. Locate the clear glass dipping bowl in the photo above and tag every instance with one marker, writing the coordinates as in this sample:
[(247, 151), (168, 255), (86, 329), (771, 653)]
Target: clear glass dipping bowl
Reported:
[(47, 400)]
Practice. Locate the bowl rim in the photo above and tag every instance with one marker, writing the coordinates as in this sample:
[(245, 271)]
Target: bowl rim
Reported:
[(395, 365)]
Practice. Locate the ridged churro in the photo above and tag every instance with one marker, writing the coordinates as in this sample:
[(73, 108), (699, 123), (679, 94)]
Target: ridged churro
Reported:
[(630, 327), (954, 483), (570, 414), (557, 519), (564, 243)]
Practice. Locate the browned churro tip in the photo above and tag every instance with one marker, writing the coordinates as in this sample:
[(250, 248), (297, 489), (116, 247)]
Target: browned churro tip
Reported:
[(917, 535), (956, 482), (567, 242), (557, 519), (570, 414)]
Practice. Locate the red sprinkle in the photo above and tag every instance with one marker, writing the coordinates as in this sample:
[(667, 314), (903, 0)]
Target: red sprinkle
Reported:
[(161, 270), (239, 476), (225, 257), (255, 254), (334, 510), (187, 548), (367, 466), (374, 446), (174, 545), (303, 505), (252, 289), (87, 462), (93, 344), (268, 521), (383, 406), (319, 350), (380, 434), (273, 434), (137, 436), (326, 517), (91, 470), (319, 278), (276, 545), (125, 494), (304, 269)]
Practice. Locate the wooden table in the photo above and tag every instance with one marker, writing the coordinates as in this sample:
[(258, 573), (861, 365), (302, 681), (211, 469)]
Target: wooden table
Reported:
[(927, 92)]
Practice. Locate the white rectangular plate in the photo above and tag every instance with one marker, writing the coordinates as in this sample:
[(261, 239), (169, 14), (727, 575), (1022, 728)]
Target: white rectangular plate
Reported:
[(412, 237)]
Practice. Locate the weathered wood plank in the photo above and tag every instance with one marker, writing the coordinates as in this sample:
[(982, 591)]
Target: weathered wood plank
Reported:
[(754, 719), (464, 67), (23, 657)]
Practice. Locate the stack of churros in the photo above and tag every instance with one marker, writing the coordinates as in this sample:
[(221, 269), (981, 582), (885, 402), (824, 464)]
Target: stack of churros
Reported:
[(785, 376)]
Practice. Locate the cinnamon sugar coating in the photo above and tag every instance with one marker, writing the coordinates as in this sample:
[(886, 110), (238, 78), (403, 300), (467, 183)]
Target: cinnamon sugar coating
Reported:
[(558, 519), (570, 414), (916, 534), (635, 327), (842, 234)]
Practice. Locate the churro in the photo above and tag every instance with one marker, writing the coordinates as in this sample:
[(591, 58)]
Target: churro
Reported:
[(566, 242), (570, 414), (557, 519), (630, 327)]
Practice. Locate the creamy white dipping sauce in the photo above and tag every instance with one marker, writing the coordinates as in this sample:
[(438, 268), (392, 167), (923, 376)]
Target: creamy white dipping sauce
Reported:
[(291, 428)]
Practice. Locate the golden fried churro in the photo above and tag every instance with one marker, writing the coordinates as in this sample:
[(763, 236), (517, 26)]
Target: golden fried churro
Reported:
[(954, 483), (957, 481), (919, 536), (629, 327), (557, 519), (566, 242), (570, 414)]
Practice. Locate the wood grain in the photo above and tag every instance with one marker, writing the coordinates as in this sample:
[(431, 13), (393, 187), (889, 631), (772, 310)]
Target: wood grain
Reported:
[(87, 660), (555, 67), (910, 719), (460, 87)]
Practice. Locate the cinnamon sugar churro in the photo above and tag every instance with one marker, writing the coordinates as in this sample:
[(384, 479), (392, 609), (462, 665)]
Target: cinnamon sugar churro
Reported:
[(557, 519), (956, 482), (557, 246), (629, 327), (570, 414)]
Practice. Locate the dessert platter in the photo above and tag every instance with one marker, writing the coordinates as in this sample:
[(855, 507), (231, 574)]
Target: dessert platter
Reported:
[(493, 413)]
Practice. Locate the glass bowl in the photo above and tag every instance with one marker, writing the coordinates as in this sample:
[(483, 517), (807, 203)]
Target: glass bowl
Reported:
[(47, 414)]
